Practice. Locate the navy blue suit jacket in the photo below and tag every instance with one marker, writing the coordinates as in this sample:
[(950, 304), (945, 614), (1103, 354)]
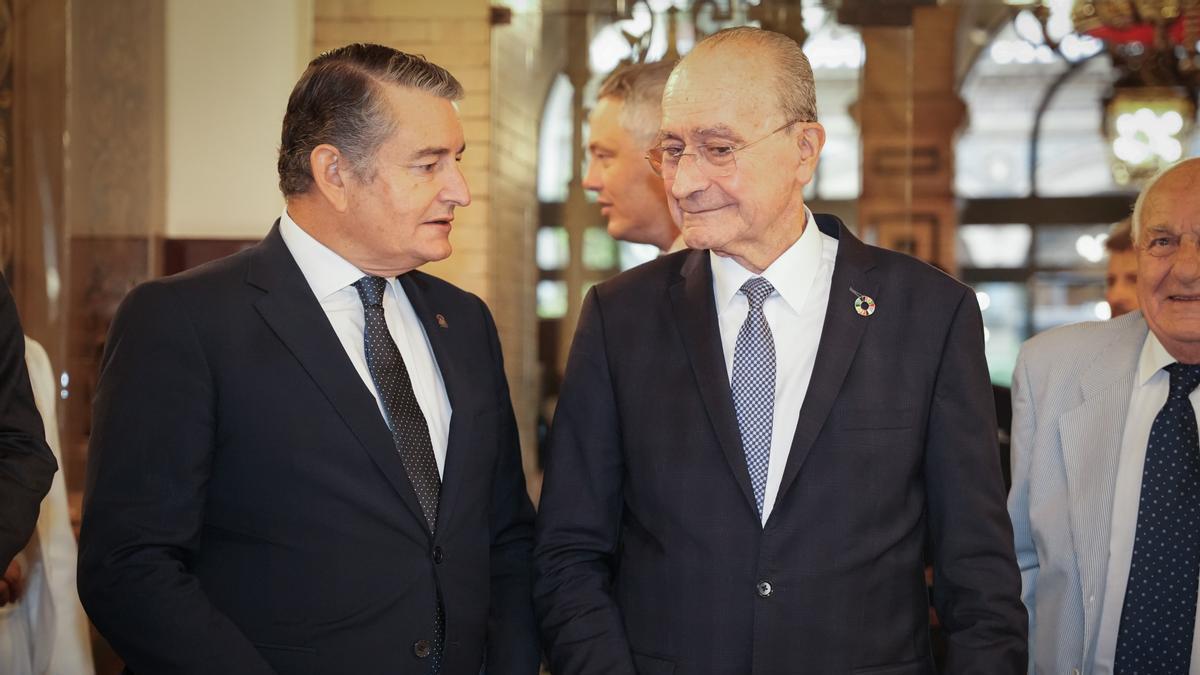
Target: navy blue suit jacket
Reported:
[(246, 508), (651, 557)]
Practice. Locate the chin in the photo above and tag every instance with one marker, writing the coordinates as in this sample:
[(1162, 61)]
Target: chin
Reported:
[(436, 252), (621, 230)]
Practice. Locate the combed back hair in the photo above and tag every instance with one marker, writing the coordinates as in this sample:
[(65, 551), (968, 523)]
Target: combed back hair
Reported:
[(793, 75), (1139, 205), (340, 100), (1120, 236), (639, 87)]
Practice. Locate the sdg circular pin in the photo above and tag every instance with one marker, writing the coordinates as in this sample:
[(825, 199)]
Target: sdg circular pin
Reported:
[(863, 304)]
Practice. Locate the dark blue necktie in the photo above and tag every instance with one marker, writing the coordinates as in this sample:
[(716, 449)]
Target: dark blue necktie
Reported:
[(1155, 637), (410, 431)]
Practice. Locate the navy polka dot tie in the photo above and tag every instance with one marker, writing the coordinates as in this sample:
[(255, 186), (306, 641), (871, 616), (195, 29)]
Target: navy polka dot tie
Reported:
[(753, 385), (410, 431), (409, 428), (1155, 637)]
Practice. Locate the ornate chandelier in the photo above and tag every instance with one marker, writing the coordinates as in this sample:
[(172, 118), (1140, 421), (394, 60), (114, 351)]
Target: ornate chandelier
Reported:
[(1150, 112)]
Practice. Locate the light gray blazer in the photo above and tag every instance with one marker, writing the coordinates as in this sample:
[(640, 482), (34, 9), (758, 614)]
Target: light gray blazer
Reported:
[(1071, 394)]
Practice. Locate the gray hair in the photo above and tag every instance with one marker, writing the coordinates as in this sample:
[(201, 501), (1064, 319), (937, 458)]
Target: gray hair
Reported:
[(794, 84), (1140, 204), (338, 100), (639, 87)]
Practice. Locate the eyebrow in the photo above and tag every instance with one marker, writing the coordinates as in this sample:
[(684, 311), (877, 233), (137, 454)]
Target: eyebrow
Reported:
[(437, 151), (716, 131)]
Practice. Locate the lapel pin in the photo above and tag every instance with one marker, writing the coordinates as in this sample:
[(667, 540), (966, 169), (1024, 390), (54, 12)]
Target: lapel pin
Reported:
[(863, 304), (442, 321)]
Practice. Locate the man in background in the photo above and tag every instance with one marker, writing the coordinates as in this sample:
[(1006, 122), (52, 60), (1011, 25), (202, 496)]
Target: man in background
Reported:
[(1120, 279), (1106, 463), (304, 457), (621, 128)]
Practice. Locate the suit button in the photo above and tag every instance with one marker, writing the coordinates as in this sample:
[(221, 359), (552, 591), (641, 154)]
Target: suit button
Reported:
[(438, 556), (765, 589), (421, 649)]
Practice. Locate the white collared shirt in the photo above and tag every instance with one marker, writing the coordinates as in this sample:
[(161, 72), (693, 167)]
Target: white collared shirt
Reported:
[(1150, 391), (802, 276), (331, 277)]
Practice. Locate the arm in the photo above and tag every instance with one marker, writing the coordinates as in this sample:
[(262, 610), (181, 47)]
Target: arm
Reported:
[(580, 515), (1024, 423), (976, 584), (26, 464), (512, 636), (151, 451)]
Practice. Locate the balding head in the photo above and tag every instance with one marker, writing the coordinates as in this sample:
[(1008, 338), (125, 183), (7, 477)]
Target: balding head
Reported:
[(778, 56), (1187, 170)]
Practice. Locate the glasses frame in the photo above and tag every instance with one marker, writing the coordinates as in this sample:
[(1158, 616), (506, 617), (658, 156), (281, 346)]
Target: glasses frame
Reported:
[(655, 155)]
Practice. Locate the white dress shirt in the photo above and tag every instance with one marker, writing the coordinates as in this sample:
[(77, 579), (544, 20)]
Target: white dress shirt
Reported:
[(1148, 397), (331, 278), (795, 312)]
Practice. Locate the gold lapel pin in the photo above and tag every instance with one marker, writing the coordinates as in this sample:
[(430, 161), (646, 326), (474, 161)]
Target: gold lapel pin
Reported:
[(863, 304), (442, 321)]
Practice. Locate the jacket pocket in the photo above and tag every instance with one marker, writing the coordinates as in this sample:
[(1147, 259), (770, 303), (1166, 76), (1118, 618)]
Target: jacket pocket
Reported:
[(652, 665), (291, 659), (880, 419), (918, 667)]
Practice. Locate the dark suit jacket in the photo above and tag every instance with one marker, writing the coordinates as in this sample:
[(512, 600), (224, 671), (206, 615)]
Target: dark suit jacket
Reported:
[(26, 464), (247, 510), (650, 556)]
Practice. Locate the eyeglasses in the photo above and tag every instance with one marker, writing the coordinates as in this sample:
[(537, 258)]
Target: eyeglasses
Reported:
[(1164, 245), (713, 160)]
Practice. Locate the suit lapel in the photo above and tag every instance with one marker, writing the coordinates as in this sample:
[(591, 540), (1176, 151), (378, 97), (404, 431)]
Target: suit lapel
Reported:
[(840, 337), (1091, 447), (438, 330), (695, 312), (293, 313)]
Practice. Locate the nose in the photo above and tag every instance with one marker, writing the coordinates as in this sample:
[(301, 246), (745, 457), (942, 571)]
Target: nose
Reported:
[(592, 179), (688, 178), (456, 191)]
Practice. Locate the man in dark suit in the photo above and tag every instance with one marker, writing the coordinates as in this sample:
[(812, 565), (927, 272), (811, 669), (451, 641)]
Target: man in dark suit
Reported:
[(304, 457), (754, 439), (26, 464)]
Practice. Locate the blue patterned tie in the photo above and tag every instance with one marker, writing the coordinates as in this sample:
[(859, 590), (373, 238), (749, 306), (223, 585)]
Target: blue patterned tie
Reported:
[(753, 385), (1155, 637), (410, 430)]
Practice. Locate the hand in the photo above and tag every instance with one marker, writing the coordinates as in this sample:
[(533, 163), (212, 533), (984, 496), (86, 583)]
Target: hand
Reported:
[(10, 585)]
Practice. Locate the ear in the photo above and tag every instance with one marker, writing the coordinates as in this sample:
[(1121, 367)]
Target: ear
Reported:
[(330, 175), (810, 141)]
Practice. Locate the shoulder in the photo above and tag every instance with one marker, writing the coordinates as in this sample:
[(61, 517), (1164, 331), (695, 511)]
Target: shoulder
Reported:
[(657, 274), (926, 282), (1080, 343), (213, 282)]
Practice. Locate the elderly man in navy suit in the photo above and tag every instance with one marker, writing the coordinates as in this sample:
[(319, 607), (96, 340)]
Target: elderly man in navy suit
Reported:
[(755, 438)]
